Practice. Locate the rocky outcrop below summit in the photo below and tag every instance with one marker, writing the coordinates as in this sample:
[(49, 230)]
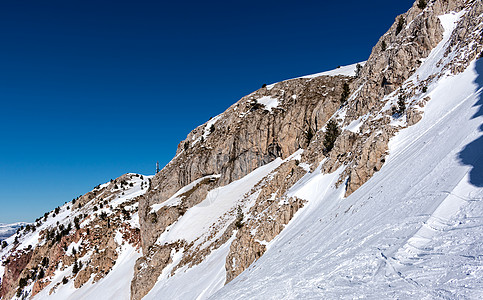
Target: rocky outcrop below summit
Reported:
[(248, 135), (280, 119)]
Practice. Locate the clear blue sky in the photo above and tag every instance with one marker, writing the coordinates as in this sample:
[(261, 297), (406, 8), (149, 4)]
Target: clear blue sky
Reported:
[(90, 90)]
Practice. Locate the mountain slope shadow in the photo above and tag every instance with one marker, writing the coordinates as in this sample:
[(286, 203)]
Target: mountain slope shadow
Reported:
[(472, 154)]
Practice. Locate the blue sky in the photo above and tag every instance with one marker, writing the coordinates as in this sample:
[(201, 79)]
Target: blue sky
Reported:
[(90, 90)]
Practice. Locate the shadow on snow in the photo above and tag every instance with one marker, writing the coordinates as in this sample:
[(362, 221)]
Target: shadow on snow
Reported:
[(472, 154)]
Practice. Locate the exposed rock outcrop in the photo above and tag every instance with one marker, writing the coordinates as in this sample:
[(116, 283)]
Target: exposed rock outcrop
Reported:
[(279, 129), (83, 236), (280, 119)]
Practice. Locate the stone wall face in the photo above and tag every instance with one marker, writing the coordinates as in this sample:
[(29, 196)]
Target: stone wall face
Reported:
[(248, 135)]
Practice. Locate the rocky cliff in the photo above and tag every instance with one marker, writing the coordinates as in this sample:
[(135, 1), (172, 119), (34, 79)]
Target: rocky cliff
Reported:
[(289, 118), (77, 243), (228, 192)]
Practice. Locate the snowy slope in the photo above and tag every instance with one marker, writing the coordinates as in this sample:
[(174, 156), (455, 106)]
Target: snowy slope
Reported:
[(114, 284), (412, 231), (349, 70)]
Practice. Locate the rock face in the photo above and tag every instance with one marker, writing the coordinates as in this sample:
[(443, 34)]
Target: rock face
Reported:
[(84, 236), (239, 168), (248, 135), (244, 137), (277, 120), (13, 269)]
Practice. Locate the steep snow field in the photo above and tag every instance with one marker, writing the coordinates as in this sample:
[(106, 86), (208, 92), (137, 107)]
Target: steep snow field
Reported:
[(116, 285), (414, 230)]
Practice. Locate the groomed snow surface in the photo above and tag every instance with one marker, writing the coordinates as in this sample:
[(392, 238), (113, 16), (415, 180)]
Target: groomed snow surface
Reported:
[(413, 231)]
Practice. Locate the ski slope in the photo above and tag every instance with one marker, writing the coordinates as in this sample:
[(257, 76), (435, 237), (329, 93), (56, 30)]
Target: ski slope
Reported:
[(413, 231)]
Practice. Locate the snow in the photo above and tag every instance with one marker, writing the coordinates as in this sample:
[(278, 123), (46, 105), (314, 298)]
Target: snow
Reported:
[(72, 246), (176, 198), (207, 129), (198, 282), (269, 102), (414, 206), (198, 219), (115, 285), (430, 64), (413, 231), (349, 70), (355, 125)]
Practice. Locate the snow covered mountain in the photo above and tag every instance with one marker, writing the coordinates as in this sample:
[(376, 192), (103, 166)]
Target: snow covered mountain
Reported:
[(7, 230), (365, 181)]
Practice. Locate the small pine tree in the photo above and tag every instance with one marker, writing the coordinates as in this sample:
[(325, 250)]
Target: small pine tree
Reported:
[(422, 4), (358, 70), (331, 134), (65, 280), (75, 269), (345, 93), (309, 135), (45, 262), (401, 104), (76, 223), (154, 217), (22, 283), (400, 25), (41, 274), (239, 218)]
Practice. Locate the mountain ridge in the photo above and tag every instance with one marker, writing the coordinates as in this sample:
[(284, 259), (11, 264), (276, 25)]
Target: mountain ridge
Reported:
[(255, 196)]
